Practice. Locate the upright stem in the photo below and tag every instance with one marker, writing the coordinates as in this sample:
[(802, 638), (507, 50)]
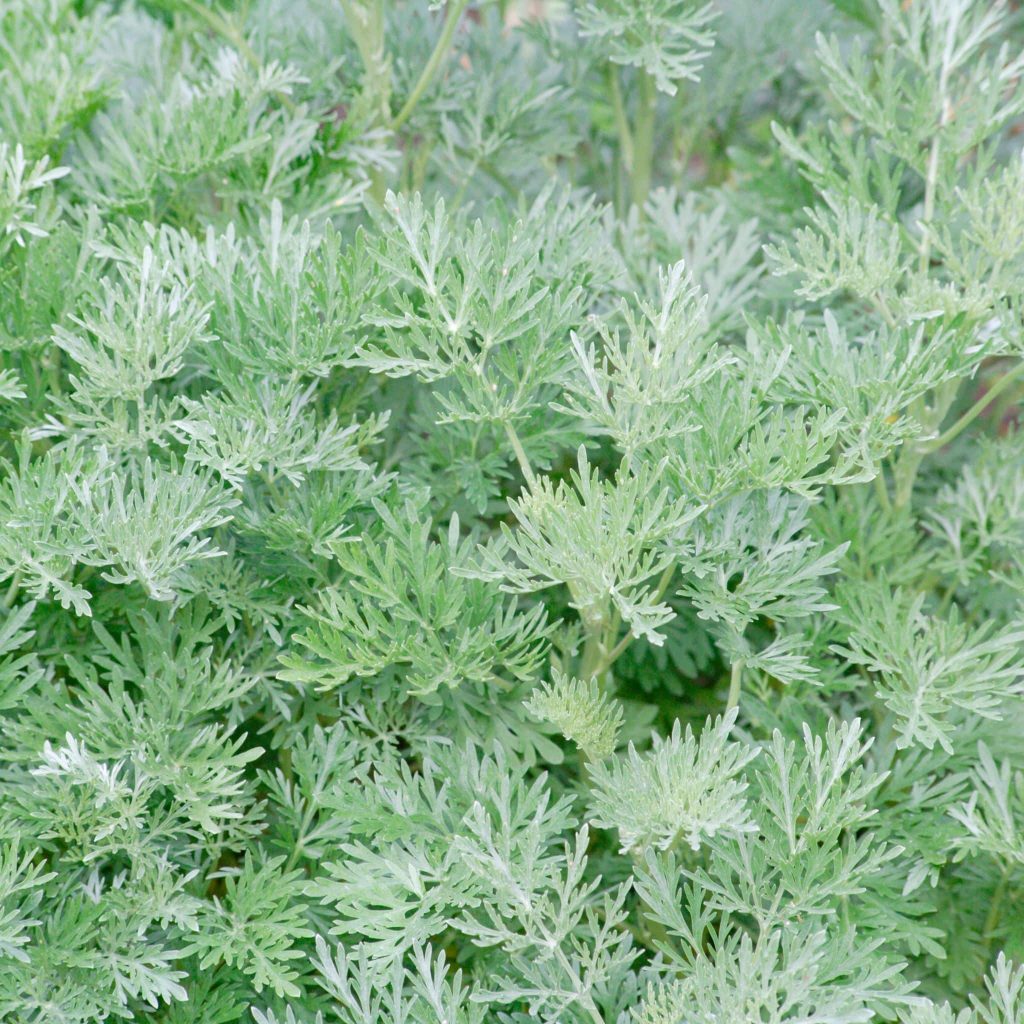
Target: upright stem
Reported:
[(904, 475), (12, 590), (932, 171), (53, 371), (995, 910), (882, 490), (520, 453), (924, 252), (592, 663), (233, 34), (621, 122), (975, 410), (467, 180), (735, 681), (140, 418), (643, 139), (905, 471), (601, 651), (451, 21), (365, 22)]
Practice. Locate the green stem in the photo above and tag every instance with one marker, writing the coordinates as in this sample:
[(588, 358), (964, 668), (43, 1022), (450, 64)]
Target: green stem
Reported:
[(932, 171), (929, 206), (12, 590), (664, 580), (300, 839), (995, 910), (592, 661), (603, 658), (520, 452), (947, 599), (1003, 406), (616, 652), (489, 169), (140, 418), (882, 490), (434, 62), (597, 658), (366, 27), (643, 140), (884, 311), (271, 484), (466, 181), (53, 371), (735, 681), (224, 28), (905, 470), (905, 474), (621, 121), (975, 410), (498, 178)]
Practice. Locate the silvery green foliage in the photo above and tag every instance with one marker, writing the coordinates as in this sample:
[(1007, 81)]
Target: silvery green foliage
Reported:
[(511, 512), (668, 39), (684, 791), (581, 711)]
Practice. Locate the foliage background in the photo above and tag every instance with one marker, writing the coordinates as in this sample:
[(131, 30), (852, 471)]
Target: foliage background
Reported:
[(511, 511)]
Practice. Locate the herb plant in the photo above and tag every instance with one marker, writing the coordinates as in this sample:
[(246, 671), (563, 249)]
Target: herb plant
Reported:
[(511, 512)]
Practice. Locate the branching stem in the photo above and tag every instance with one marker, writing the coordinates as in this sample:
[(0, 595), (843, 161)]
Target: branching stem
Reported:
[(975, 410), (233, 34)]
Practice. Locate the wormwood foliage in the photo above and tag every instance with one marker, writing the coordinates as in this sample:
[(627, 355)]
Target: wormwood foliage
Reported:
[(511, 512)]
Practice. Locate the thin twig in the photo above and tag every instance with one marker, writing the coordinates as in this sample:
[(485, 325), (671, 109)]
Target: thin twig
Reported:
[(434, 62)]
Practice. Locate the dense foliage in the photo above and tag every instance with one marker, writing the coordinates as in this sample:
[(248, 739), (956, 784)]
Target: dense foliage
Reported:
[(511, 512)]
